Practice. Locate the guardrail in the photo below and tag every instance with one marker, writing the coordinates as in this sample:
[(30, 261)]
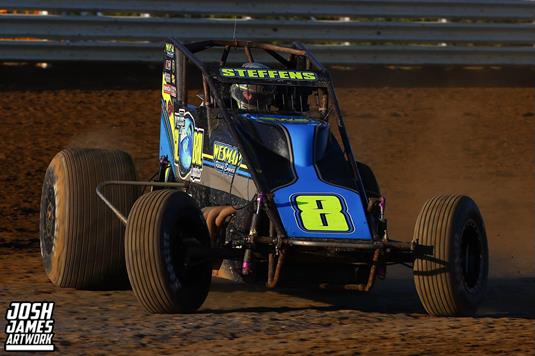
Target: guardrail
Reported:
[(405, 32)]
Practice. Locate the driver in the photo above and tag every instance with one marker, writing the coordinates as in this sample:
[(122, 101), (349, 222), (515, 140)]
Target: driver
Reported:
[(253, 96)]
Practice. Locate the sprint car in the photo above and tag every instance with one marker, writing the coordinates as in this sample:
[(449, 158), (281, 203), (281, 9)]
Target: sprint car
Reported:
[(256, 181)]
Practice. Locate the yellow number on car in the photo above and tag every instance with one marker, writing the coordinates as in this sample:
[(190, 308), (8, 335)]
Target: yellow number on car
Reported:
[(322, 213)]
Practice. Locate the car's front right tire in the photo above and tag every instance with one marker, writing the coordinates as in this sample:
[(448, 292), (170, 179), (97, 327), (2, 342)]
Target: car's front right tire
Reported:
[(452, 279)]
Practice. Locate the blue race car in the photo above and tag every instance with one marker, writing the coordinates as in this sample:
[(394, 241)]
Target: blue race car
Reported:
[(257, 181)]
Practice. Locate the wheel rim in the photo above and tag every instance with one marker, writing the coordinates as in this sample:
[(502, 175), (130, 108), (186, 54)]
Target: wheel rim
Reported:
[(184, 266), (49, 218), (179, 258), (181, 266), (471, 255)]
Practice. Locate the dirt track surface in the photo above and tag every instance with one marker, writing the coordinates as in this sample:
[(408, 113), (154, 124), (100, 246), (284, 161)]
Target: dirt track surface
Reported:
[(238, 319), (421, 140)]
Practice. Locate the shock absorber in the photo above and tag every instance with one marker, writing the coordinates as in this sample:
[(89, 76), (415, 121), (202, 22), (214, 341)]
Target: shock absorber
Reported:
[(248, 254), (163, 170)]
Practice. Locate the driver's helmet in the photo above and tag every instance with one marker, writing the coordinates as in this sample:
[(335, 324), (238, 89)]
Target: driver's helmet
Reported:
[(252, 96)]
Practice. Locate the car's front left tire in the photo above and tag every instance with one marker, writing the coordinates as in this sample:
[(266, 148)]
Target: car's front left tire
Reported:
[(163, 226)]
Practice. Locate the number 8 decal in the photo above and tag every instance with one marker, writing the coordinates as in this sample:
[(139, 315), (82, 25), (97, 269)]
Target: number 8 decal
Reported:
[(327, 213)]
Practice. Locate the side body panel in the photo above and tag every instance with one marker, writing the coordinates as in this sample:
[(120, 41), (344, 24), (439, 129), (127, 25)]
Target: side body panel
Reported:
[(207, 158)]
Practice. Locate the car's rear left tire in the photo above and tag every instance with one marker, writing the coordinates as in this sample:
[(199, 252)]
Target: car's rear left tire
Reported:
[(81, 239), (451, 280)]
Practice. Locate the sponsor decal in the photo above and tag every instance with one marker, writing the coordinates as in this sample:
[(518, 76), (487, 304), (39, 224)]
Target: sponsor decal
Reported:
[(267, 74), (179, 118), (167, 64), (291, 119), (170, 108), (190, 145), (169, 89), (29, 326), (227, 158), (170, 50), (167, 77)]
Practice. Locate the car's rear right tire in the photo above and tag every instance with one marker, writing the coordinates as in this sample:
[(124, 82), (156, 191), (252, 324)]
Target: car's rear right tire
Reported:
[(369, 180), (451, 280), (161, 227)]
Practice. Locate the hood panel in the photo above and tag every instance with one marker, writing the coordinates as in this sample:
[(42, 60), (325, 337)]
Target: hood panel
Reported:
[(308, 205)]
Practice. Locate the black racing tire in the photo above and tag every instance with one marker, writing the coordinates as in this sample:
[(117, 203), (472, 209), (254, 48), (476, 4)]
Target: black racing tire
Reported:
[(82, 242), (452, 280), (161, 226), (369, 180)]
